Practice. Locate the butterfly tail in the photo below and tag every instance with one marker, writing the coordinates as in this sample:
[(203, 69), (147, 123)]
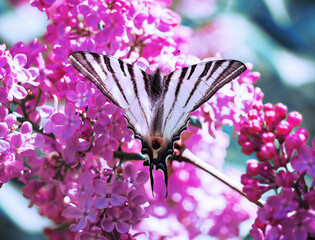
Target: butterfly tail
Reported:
[(162, 166), (151, 176)]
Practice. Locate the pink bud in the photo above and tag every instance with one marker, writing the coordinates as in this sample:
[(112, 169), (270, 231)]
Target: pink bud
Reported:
[(279, 161), (252, 190), (253, 114), (254, 126), (303, 134), (245, 178), (269, 117), (253, 167), (245, 130), (293, 141), (294, 118), (258, 106), (283, 128), (268, 107), (247, 148), (281, 110), (242, 139), (268, 137), (267, 151)]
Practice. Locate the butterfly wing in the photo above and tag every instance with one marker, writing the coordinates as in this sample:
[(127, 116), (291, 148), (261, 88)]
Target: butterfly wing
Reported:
[(185, 90), (121, 83)]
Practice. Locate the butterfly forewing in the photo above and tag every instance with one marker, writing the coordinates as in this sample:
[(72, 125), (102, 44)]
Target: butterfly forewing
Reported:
[(121, 83), (188, 88)]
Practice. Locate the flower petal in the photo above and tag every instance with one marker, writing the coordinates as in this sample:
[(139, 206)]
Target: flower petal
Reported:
[(122, 227), (107, 225)]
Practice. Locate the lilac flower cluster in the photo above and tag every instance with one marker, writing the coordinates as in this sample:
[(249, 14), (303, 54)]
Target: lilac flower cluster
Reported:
[(284, 164), (62, 138)]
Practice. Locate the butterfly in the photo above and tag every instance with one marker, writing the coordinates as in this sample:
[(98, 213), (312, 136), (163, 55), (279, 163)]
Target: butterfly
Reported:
[(157, 107)]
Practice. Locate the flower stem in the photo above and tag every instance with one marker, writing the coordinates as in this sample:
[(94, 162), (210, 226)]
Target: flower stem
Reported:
[(187, 156)]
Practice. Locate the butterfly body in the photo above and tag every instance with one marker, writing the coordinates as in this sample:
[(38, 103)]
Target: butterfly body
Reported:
[(157, 107)]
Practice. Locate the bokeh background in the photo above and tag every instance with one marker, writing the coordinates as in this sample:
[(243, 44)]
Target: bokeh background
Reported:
[(277, 36)]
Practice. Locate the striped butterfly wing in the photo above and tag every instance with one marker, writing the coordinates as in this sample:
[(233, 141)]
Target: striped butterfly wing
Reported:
[(188, 88), (157, 110), (124, 85)]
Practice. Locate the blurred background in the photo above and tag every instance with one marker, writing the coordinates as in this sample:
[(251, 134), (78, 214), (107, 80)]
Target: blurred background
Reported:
[(277, 36)]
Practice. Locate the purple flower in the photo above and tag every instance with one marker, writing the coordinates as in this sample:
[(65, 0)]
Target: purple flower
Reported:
[(72, 147), (304, 160), (95, 233), (283, 204), (101, 110), (135, 177), (81, 95), (67, 123), (114, 24), (109, 195), (32, 140), (104, 146), (83, 213), (116, 218), (300, 225), (14, 90), (91, 17)]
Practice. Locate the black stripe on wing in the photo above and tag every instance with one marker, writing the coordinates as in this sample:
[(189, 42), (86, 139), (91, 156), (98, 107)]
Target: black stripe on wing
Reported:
[(230, 72), (202, 82), (84, 66), (179, 84), (135, 89)]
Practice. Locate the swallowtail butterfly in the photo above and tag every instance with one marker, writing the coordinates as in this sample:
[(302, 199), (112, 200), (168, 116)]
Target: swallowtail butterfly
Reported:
[(156, 107)]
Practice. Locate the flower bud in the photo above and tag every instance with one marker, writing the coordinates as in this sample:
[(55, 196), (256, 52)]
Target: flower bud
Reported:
[(281, 110), (268, 137), (253, 167), (257, 106), (303, 134), (269, 117), (253, 114), (254, 126), (242, 139), (294, 119), (268, 107), (247, 148), (283, 128), (293, 141)]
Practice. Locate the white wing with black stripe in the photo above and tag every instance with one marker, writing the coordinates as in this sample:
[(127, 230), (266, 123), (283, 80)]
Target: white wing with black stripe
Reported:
[(121, 83), (156, 108), (188, 88)]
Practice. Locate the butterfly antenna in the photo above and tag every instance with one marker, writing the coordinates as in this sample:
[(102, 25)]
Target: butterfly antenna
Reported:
[(175, 54)]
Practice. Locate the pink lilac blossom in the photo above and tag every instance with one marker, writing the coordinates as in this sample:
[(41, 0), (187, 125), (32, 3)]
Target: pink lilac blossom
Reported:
[(78, 183), (284, 161)]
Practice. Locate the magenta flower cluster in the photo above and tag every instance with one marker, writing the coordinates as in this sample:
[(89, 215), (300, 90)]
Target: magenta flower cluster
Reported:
[(69, 145), (284, 164)]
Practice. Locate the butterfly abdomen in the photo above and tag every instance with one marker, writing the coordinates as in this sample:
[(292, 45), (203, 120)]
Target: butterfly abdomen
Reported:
[(156, 85)]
